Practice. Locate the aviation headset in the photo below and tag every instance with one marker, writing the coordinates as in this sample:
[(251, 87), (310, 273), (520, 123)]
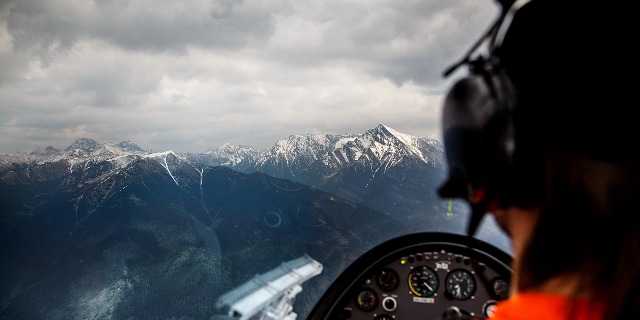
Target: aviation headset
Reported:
[(477, 123)]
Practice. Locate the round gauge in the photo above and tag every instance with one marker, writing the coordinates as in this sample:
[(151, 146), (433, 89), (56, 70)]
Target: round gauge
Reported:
[(489, 308), (460, 284), (499, 288), (367, 299), (423, 281), (388, 279)]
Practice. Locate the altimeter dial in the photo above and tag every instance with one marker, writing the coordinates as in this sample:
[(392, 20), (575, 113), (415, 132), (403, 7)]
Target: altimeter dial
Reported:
[(460, 284)]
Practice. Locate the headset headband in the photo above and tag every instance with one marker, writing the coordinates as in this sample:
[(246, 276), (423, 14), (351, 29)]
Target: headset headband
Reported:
[(497, 31), (506, 23)]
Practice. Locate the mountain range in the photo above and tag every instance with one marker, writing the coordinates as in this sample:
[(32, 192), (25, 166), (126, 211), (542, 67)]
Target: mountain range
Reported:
[(103, 230), (389, 171)]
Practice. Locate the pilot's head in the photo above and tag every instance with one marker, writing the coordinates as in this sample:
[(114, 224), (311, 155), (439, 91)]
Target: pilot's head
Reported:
[(549, 82)]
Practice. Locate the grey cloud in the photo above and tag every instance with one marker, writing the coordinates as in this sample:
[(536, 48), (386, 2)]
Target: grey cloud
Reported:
[(349, 31), (399, 40), (194, 74), (146, 25)]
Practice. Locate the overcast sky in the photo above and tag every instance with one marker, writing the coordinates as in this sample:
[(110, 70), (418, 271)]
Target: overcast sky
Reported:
[(191, 75)]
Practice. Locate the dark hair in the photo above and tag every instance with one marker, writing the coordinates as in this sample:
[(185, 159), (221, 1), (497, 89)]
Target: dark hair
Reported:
[(589, 226), (575, 139)]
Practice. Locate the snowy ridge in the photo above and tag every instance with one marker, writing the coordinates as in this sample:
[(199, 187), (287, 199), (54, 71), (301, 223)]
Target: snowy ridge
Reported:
[(173, 162), (81, 150), (84, 154), (379, 148), (83, 144), (405, 138), (232, 155), (163, 155), (374, 167), (379, 144), (385, 145), (296, 148)]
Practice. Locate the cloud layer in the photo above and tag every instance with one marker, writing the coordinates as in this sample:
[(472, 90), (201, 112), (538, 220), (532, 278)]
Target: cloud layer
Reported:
[(194, 74)]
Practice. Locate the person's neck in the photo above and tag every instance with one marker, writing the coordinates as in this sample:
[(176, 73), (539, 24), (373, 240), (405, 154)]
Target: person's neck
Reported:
[(521, 223)]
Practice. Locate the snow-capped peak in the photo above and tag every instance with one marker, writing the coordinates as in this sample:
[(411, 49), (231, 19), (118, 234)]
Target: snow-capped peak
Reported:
[(302, 145), (162, 154), (402, 137), (84, 144), (128, 145), (43, 152), (228, 148)]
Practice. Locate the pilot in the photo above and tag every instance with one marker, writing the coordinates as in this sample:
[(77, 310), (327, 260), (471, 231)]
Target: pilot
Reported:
[(541, 133)]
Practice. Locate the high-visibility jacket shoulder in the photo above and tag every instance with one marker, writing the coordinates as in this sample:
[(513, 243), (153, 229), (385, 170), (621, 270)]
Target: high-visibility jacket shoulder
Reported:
[(539, 306)]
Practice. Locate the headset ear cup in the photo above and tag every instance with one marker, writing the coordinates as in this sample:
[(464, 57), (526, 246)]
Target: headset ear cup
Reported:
[(478, 125), (506, 100), (464, 115), (478, 136)]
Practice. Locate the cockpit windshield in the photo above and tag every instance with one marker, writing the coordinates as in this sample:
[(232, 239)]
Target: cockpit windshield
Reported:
[(162, 160)]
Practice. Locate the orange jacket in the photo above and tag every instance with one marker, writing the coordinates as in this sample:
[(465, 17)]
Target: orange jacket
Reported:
[(539, 306)]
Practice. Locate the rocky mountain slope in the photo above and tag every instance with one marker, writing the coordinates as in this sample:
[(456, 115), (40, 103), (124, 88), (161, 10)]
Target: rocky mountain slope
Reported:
[(106, 230)]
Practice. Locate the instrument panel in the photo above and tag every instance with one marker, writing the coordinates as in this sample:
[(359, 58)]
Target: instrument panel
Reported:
[(420, 276)]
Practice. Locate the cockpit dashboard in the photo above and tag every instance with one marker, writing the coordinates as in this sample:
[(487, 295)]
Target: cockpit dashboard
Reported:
[(420, 276)]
